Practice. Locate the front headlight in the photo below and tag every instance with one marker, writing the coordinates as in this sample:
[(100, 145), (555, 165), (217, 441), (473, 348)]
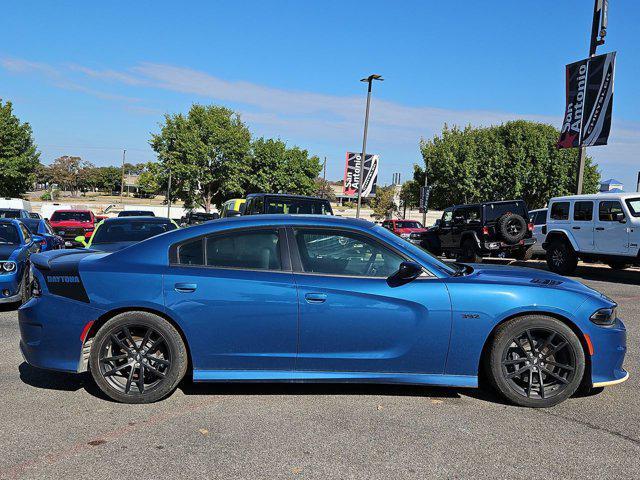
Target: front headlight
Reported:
[(8, 266), (604, 317)]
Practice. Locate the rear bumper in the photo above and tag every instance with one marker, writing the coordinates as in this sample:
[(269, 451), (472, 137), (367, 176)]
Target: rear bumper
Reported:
[(50, 330), (501, 246)]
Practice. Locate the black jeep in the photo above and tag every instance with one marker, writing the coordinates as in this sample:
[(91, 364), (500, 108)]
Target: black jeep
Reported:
[(469, 232)]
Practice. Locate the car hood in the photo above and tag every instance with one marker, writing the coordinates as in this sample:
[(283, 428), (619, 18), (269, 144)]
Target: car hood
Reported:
[(507, 275), (7, 250)]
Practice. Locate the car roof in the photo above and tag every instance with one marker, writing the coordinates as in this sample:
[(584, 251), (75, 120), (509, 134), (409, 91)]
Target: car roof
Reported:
[(285, 195), (132, 218), (598, 196), (538, 210), (72, 210)]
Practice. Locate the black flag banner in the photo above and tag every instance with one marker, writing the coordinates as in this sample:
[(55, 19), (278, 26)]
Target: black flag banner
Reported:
[(352, 169), (587, 120)]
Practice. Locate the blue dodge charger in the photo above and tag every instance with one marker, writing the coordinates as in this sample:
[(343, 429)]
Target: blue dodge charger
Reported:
[(314, 299)]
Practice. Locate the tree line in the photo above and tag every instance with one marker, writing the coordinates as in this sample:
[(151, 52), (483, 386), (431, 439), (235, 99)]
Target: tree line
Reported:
[(212, 156)]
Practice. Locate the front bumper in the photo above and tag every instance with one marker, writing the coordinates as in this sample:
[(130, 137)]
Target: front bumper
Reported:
[(609, 349), (9, 287)]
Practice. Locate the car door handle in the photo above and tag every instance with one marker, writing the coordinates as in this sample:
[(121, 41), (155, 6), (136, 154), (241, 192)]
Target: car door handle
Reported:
[(599, 228), (576, 228), (315, 297), (185, 287)]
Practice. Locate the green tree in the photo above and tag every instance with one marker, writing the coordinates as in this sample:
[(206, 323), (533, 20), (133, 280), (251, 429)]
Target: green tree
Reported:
[(71, 173), (383, 204), (275, 168), (207, 152), (409, 195), (518, 159), (18, 155), (149, 180)]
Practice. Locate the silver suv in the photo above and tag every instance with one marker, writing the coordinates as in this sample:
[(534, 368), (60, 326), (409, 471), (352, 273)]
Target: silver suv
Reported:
[(604, 227)]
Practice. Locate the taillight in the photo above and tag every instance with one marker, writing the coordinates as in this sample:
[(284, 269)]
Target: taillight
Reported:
[(485, 230), (530, 226), (36, 291)]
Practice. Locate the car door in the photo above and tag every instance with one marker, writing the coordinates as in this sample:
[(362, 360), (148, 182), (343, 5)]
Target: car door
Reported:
[(583, 225), (234, 294), (458, 226), (611, 236), (351, 320)]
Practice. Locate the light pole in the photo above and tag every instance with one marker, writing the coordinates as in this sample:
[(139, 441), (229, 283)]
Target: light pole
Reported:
[(598, 27), (369, 80)]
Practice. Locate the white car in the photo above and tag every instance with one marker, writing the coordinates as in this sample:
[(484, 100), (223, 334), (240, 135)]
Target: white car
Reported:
[(604, 227), (539, 219)]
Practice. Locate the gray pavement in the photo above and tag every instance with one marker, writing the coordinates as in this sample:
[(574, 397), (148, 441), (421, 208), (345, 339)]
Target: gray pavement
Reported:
[(58, 426)]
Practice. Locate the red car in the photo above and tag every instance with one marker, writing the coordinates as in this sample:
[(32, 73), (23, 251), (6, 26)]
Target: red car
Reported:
[(71, 223), (403, 228)]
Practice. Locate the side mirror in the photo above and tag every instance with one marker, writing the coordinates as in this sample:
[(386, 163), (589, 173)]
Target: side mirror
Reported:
[(407, 272), (620, 217), (36, 238), (81, 239)]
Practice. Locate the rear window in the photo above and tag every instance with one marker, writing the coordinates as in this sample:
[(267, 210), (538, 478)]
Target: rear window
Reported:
[(560, 211), (538, 218), (70, 216), (634, 206), (300, 206), (129, 232), (493, 211), (583, 211), (9, 213)]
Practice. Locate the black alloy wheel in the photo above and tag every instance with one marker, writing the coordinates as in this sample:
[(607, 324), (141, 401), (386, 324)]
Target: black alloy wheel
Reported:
[(536, 361), (137, 357), (469, 252)]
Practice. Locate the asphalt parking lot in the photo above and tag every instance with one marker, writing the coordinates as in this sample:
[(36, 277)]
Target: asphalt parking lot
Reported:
[(59, 426)]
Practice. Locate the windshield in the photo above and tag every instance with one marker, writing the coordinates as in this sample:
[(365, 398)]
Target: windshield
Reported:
[(134, 231), (67, 216), (9, 234), (419, 253), (9, 213), (408, 225), (32, 224), (634, 206), (299, 206)]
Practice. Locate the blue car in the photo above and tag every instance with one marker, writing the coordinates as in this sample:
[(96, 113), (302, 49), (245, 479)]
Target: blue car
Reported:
[(314, 299), (17, 244), (41, 227)]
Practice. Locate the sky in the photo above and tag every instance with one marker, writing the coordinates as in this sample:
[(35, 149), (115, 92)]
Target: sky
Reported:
[(94, 78)]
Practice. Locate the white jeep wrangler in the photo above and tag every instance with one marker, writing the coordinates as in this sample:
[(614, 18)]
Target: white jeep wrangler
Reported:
[(604, 227)]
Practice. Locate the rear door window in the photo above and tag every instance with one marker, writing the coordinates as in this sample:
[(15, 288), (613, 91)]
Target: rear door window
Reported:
[(583, 211), (560, 211), (250, 250)]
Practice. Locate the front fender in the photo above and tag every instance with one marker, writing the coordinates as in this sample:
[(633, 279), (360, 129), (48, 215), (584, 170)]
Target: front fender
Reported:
[(564, 232)]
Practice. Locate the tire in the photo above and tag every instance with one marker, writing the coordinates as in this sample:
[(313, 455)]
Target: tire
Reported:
[(619, 265), (523, 254), (512, 227), (561, 258), (469, 252), (132, 343), (530, 348)]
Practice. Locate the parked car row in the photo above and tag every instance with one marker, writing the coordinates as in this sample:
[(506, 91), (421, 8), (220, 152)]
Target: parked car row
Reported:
[(603, 227)]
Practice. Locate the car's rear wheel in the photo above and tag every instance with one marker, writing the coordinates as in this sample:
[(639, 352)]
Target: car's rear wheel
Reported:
[(137, 357), (535, 361), (561, 258), (469, 252)]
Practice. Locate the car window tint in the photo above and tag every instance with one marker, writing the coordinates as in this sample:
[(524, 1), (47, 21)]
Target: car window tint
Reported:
[(583, 211), (331, 253), (9, 234), (608, 210), (256, 250), (26, 234), (67, 216), (9, 213), (133, 231), (493, 211), (560, 211), (191, 253)]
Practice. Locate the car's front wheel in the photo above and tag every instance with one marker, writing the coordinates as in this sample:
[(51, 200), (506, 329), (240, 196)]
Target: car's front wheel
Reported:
[(137, 357), (469, 252), (535, 361)]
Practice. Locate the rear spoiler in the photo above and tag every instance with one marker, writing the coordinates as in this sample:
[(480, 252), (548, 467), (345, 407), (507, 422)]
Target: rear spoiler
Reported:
[(44, 261)]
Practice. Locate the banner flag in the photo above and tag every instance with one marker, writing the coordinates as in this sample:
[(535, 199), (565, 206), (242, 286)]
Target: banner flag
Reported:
[(352, 169)]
